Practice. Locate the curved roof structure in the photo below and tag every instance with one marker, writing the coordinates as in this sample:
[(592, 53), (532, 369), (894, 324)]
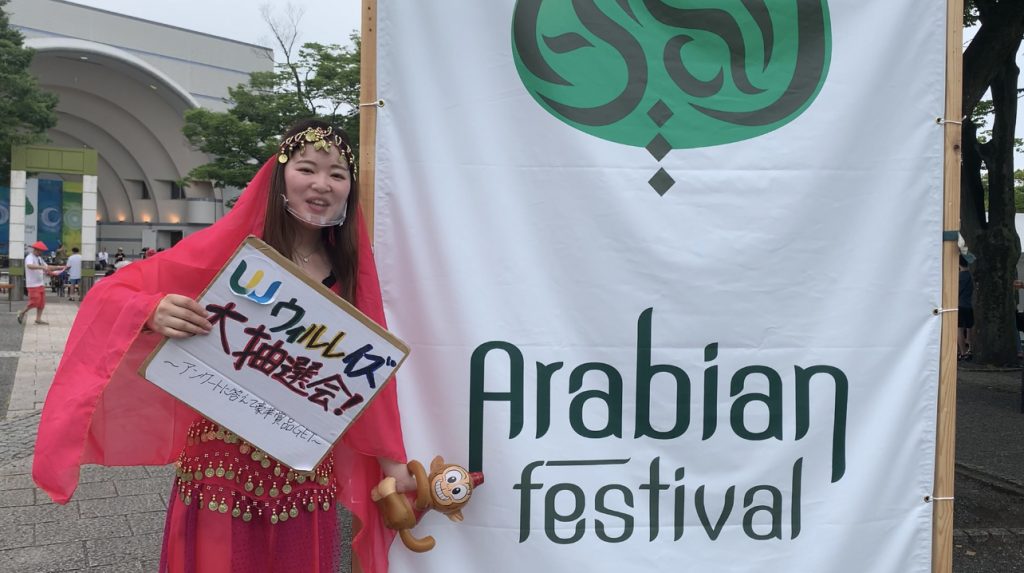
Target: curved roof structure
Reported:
[(124, 86), (131, 65), (129, 112)]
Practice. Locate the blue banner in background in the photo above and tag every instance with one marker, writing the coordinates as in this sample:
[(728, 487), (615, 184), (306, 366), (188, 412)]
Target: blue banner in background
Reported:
[(51, 213), (5, 219)]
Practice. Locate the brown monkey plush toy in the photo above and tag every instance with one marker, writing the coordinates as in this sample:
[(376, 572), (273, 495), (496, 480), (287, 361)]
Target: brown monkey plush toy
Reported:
[(447, 489)]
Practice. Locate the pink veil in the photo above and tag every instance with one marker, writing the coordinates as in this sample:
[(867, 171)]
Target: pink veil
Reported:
[(99, 411)]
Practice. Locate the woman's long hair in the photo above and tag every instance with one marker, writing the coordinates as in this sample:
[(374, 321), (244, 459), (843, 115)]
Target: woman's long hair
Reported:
[(340, 243)]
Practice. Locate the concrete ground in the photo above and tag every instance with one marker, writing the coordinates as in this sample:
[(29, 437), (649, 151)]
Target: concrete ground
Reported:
[(115, 521), (989, 489)]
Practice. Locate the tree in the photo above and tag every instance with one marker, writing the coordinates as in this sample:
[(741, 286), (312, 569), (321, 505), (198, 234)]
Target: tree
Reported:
[(316, 80), (26, 111), (981, 117), (1018, 189), (989, 64)]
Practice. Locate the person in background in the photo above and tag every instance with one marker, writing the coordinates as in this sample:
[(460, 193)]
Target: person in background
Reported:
[(36, 270), (1017, 286), (74, 273), (120, 261), (61, 254), (102, 258), (965, 312)]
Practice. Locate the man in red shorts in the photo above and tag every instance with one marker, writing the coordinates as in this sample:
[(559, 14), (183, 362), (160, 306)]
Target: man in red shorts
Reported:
[(36, 270)]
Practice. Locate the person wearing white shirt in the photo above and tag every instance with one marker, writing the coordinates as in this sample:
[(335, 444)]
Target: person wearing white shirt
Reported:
[(36, 270), (102, 258), (74, 273)]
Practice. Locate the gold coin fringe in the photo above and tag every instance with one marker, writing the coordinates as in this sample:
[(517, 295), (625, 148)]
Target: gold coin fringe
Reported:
[(234, 476)]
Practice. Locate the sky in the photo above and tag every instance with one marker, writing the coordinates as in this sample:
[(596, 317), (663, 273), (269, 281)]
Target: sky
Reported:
[(324, 21)]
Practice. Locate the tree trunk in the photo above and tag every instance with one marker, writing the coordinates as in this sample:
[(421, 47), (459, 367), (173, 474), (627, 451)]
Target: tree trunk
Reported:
[(1002, 24), (997, 245), (988, 62), (972, 189)]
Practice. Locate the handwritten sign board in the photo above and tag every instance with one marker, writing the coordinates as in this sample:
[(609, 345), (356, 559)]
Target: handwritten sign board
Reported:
[(289, 365)]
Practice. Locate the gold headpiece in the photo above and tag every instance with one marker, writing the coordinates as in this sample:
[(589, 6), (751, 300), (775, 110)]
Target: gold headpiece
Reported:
[(321, 139)]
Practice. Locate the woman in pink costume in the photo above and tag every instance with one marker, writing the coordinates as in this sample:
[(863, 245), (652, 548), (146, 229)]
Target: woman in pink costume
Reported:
[(233, 508)]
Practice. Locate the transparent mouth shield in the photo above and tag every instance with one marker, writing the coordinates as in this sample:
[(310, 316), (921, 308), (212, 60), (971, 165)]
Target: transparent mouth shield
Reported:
[(318, 220)]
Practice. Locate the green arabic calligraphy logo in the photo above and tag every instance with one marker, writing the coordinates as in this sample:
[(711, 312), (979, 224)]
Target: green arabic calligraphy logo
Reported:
[(672, 74)]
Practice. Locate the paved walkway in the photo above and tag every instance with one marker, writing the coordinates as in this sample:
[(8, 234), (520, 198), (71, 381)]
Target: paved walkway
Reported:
[(114, 523)]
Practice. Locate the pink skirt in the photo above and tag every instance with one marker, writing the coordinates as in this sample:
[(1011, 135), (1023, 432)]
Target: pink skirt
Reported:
[(197, 540)]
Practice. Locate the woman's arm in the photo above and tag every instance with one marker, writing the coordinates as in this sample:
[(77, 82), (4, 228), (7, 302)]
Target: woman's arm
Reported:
[(403, 478), (44, 267)]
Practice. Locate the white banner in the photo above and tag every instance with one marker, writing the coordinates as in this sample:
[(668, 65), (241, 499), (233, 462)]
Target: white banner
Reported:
[(288, 366), (31, 211), (668, 270)]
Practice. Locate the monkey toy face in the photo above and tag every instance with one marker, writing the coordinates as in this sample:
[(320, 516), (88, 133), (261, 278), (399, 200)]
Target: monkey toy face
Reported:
[(451, 488)]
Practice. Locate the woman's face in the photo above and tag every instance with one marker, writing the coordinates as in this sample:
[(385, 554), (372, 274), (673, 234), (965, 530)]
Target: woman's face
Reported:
[(317, 184)]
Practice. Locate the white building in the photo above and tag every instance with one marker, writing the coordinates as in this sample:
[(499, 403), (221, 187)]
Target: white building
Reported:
[(124, 85)]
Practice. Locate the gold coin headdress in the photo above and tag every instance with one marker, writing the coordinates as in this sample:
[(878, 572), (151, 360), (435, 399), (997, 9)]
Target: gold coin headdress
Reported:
[(321, 139)]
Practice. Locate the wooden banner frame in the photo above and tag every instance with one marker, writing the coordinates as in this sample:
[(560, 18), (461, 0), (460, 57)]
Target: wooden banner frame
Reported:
[(945, 444), (945, 424), (368, 112), (367, 146)]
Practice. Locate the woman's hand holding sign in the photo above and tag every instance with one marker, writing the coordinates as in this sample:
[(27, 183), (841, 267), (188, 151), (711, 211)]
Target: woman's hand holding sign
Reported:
[(178, 316)]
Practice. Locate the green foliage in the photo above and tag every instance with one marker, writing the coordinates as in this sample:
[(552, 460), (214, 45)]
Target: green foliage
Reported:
[(980, 113), (26, 111), (970, 13), (336, 81), (319, 81), (1018, 189), (980, 116)]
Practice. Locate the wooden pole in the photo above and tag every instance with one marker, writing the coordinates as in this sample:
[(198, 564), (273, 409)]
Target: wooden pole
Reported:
[(367, 146), (945, 439), (368, 113)]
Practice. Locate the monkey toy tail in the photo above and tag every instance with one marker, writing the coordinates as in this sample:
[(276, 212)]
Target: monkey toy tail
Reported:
[(417, 545)]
